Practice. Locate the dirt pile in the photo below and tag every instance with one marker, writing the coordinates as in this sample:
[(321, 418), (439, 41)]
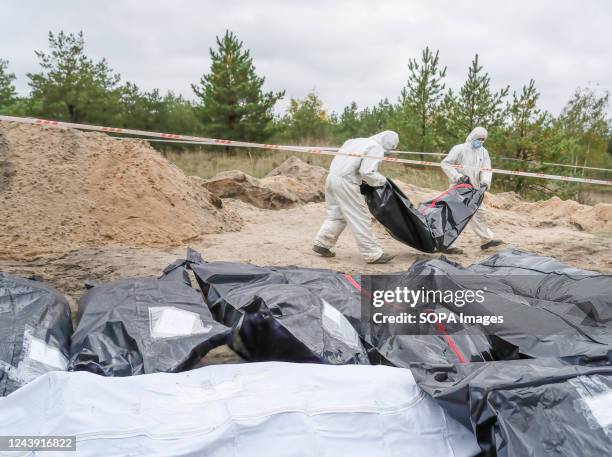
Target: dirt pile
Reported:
[(503, 200), (293, 183), (65, 189), (302, 171), (596, 218)]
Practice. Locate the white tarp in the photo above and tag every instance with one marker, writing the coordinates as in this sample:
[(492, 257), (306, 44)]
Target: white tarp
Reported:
[(256, 409)]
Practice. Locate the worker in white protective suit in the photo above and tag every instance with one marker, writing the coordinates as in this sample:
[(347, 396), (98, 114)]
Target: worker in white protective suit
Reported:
[(344, 203), (472, 156)]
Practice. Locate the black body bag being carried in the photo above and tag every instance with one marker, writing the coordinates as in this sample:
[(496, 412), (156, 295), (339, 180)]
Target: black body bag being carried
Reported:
[(431, 227)]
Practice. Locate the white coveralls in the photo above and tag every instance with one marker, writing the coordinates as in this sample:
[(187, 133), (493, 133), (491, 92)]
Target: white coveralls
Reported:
[(343, 200), (473, 159)]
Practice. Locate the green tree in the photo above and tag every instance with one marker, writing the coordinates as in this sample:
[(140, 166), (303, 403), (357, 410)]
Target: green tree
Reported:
[(526, 122), (140, 110), (232, 102), (526, 133), (348, 124), (420, 101), (475, 104), (306, 120), (7, 89), (383, 116), (179, 115), (71, 85), (352, 122), (585, 122), (149, 110)]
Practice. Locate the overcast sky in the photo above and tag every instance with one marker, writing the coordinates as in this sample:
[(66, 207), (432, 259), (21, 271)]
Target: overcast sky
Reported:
[(345, 50)]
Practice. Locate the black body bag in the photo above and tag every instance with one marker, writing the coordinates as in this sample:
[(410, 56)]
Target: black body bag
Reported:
[(431, 227)]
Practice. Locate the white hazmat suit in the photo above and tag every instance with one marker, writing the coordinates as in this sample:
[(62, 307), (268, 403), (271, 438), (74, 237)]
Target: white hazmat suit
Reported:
[(473, 159), (344, 203)]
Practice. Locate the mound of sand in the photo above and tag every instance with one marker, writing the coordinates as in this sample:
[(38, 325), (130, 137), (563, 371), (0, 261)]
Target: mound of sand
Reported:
[(503, 200), (596, 218), (65, 189), (552, 209), (293, 183), (302, 171)]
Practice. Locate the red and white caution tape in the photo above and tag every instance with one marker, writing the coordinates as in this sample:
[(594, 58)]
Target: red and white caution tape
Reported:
[(306, 149), (441, 154), (513, 159)]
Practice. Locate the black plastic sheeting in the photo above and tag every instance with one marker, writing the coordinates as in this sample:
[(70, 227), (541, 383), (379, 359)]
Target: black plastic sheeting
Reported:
[(402, 350), (549, 389), (35, 329), (544, 278), (144, 325), (431, 227), (277, 314), (536, 407), (285, 313), (549, 309)]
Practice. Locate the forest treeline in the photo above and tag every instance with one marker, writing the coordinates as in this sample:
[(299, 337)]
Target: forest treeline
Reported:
[(229, 101)]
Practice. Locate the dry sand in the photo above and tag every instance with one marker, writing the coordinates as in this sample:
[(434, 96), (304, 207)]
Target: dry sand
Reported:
[(290, 184), (64, 189)]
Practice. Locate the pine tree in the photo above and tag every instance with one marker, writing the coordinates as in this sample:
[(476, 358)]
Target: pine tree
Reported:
[(306, 120), (420, 100), (349, 122), (526, 122), (7, 89), (71, 85), (526, 132), (140, 110), (232, 102), (585, 126), (475, 104), (383, 116)]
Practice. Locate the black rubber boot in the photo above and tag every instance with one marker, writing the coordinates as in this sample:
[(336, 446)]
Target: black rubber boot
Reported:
[(491, 244), (324, 252), (452, 251)]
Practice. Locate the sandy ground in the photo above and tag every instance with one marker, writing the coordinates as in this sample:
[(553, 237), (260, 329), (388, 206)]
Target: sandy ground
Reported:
[(283, 237)]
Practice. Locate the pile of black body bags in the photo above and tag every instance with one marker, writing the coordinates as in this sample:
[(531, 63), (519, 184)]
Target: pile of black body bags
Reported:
[(534, 387)]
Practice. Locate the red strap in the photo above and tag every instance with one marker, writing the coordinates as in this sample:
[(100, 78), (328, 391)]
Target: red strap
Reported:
[(450, 342), (458, 186), (355, 284)]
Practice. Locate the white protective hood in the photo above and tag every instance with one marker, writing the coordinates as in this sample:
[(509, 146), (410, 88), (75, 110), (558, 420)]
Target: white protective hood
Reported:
[(472, 160), (477, 133), (357, 169), (387, 139)]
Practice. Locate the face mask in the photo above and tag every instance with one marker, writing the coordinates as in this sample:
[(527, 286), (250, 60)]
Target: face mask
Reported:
[(477, 144)]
